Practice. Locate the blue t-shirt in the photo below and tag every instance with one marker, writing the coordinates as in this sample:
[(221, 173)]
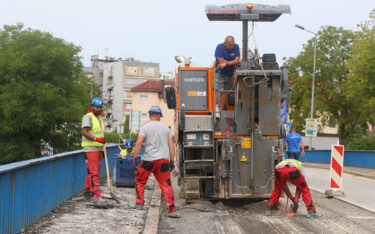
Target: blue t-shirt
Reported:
[(228, 55), (293, 139)]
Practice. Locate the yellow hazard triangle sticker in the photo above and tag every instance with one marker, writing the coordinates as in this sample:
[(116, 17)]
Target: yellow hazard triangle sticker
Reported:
[(243, 158)]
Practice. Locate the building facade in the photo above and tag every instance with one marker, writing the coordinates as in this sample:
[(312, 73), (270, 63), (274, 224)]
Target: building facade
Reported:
[(151, 93), (116, 77), (119, 77)]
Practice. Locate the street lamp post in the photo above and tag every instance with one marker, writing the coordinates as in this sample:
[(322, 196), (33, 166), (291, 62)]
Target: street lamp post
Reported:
[(91, 88), (313, 77)]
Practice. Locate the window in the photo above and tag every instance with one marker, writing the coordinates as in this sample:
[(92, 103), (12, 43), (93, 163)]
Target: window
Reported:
[(144, 99), (129, 94), (144, 117), (331, 121), (132, 69), (128, 106), (131, 81), (149, 70)]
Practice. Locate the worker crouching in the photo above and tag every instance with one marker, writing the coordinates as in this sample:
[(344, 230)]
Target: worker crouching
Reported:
[(158, 159), (290, 170)]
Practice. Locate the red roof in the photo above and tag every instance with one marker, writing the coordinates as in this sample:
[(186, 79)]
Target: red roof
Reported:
[(151, 86)]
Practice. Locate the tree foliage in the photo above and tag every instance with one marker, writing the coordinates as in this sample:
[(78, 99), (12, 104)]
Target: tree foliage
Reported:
[(334, 50), (113, 137), (43, 93), (361, 143), (361, 81)]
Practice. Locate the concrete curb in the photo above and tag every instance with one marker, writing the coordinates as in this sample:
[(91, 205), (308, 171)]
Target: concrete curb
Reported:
[(153, 214), (344, 200)]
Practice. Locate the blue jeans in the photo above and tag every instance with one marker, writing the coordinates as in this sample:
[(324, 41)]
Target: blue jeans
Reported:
[(293, 155)]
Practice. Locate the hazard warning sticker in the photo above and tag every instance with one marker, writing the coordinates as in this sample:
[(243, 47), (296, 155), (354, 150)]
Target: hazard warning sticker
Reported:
[(246, 143), (244, 158)]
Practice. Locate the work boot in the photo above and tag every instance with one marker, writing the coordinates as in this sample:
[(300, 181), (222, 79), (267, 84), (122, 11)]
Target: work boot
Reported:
[(312, 214), (87, 195), (270, 208), (174, 215), (138, 206), (294, 207), (99, 202), (268, 211)]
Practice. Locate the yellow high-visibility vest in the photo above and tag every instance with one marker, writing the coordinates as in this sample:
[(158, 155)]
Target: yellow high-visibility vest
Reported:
[(291, 162), (95, 131), (124, 151)]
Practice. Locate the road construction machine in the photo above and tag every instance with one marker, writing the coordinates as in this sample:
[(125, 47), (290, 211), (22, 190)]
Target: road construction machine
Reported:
[(231, 153)]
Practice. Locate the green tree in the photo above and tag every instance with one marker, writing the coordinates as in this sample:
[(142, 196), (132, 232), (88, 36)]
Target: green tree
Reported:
[(361, 143), (334, 49), (361, 81), (126, 126), (43, 93)]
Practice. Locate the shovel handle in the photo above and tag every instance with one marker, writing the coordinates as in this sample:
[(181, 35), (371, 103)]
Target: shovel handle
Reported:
[(105, 158), (107, 167)]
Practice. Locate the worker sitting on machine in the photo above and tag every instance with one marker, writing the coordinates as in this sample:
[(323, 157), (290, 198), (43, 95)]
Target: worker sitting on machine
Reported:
[(128, 151)]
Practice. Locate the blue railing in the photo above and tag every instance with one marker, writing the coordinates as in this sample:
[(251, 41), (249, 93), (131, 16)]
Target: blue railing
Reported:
[(31, 189), (353, 158)]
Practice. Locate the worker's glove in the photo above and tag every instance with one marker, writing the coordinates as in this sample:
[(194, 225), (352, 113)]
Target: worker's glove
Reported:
[(294, 207), (134, 163), (100, 140), (171, 166)]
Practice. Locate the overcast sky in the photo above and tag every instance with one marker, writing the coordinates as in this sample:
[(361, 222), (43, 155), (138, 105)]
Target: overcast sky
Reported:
[(157, 30)]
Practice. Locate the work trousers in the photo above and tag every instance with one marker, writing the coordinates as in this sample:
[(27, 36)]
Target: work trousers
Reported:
[(93, 170), (282, 175), (161, 171), (293, 155)]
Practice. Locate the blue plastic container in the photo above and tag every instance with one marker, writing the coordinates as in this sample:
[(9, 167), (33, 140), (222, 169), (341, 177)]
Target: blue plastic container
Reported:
[(124, 172)]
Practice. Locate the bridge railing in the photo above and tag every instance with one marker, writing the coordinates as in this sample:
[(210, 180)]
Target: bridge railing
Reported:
[(355, 158), (31, 189)]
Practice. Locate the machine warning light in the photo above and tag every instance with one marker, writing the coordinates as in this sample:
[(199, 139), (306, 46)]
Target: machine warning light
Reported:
[(249, 6)]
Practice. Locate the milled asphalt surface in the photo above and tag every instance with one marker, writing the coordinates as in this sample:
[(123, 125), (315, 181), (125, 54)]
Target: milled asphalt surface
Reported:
[(248, 216), (78, 216)]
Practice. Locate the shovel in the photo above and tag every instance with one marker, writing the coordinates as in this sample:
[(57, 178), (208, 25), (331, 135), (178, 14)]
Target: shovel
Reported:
[(112, 195)]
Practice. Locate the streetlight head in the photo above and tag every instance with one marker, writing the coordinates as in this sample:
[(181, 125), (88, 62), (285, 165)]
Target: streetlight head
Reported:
[(299, 26)]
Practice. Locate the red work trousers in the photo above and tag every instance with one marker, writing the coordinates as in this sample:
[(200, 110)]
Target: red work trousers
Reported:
[(92, 176), (161, 171), (282, 175)]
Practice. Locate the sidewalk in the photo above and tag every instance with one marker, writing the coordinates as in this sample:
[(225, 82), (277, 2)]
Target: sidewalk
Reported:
[(355, 171), (358, 184)]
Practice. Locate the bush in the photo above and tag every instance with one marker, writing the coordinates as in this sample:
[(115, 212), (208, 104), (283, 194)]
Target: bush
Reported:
[(362, 143), (113, 137)]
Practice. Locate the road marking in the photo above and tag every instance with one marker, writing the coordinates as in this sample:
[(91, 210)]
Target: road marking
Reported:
[(361, 217)]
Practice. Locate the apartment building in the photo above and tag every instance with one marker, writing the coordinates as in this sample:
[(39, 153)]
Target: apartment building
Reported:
[(116, 77)]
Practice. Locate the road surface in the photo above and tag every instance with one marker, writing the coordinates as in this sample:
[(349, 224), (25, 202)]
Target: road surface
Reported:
[(336, 216)]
